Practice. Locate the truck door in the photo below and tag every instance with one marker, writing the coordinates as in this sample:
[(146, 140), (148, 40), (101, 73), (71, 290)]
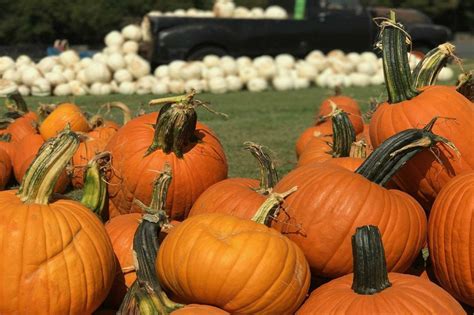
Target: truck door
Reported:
[(342, 24)]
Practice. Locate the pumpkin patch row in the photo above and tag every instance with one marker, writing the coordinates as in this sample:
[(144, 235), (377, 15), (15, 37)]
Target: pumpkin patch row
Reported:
[(161, 229)]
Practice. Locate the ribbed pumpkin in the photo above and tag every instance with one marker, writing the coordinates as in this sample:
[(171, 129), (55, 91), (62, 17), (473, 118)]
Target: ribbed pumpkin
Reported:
[(372, 290), (23, 126), (25, 152), (6, 145), (5, 168), (62, 115), (196, 309), (256, 271), (323, 148), (451, 237), (56, 256), (428, 172), (323, 129), (240, 197), (332, 201), (346, 103), (145, 144)]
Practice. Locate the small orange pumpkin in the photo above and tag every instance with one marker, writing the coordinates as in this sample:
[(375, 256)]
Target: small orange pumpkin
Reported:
[(65, 114)]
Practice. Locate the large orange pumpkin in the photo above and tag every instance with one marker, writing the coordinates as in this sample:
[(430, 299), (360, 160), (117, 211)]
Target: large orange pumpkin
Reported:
[(139, 150), (451, 237), (56, 255), (332, 201), (256, 271), (6, 145), (428, 172), (64, 114), (23, 126), (5, 168), (240, 197), (25, 152), (372, 290)]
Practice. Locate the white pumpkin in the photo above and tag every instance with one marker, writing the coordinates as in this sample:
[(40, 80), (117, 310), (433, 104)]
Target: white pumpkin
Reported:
[(241, 13), (97, 72), (367, 67), (306, 70), (229, 65), (175, 69), (369, 56), (55, 78), (283, 83), (267, 71), (69, 74), (78, 88), (213, 72), (285, 61), (377, 78), (211, 61), (301, 83), (130, 46), (114, 86), (145, 84), (257, 84), (354, 58), (123, 75), (190, 71), (68, 58), (29, 75), (335, 80), (360, 79), (12, 75), (46, 64), (336, 53), (223, 8), (275, 12), (116, 61), (179, 12), (95, 88), (446, 74), (243, 61), (247, 73), (234, 83), (161, 71), (176, 86), (127, 88), (217, 85), (24, 90), (23, 60), (194, 84), (112, 50), (340, 65), (6, 63), (63, 89), (113, 38), (132, 32), (41, 87), (138, 67), (85, 62), (106, 89), (257, 13), (100, 57)]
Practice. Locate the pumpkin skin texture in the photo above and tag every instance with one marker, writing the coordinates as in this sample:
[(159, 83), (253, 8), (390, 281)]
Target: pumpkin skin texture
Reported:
[(331, 202), (317, 150), (256, 271), (234, 196), (196, 309), (349, 163), (310, 133), (48, 254), (23, 126), (64, 114), (9, 148), (121, 230), (407, 295), (203, 164), (423, 176), (5, 168), (451, 237), (347, 104), (25, 152)]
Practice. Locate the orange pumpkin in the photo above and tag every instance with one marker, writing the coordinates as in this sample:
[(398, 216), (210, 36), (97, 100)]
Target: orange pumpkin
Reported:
[(23, 126), (451, 237), (372, 290), (331, 201), (424, 175), (240, 197), (65, 114), (257, 270), (139, 150), (5, 168), (197, 309), (7, 146), (25, 152), (323, 129), (56, 255)]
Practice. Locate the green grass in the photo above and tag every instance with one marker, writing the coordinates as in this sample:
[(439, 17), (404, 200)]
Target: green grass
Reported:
[(273, 119)]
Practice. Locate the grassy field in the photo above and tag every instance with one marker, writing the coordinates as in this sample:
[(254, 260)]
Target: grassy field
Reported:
[(273, 119)]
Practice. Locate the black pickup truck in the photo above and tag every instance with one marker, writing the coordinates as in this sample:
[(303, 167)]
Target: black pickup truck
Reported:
[(325, 25)]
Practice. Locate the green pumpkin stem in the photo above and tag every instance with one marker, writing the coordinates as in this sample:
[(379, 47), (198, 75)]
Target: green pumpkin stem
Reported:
[(370, 266), (95, 183), (268, 172), (176, 123), (393, 153), (18, 101), (53, 156), (6, 137), (343, 133), (358, 149), (398, 79), (465, 85), (146, 295), (271, 206), (427, 70)]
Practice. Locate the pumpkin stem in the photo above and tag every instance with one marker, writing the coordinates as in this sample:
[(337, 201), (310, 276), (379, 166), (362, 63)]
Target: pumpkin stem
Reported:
[(370, 266), (98, 120), (45, 109), (427, 70), (358, 149), (146, 295), (5, 122), (6, 137), (343, 133), (398, 79), (19, 104), (95, 183), (465, 85), (393, 153), (38, 183), (270, 207), (268, 172)]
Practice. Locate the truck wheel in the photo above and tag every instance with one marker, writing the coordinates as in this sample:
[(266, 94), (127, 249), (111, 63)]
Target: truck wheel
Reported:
[(200, 52)]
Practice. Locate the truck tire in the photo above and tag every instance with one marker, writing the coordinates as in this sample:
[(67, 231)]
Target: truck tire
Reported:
[(200, 52)]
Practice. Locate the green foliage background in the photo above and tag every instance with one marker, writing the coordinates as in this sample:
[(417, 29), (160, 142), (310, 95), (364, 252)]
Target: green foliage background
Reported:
[(87, 21)]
